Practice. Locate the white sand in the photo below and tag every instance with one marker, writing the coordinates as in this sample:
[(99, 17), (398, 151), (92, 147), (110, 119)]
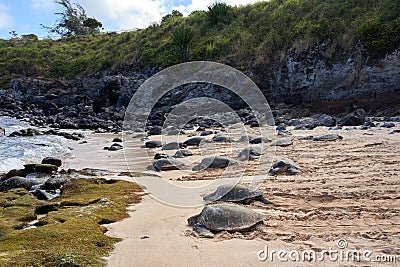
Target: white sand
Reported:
[(348, 190)]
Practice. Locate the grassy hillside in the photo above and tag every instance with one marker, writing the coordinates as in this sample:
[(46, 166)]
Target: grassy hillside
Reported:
[(238, 36)]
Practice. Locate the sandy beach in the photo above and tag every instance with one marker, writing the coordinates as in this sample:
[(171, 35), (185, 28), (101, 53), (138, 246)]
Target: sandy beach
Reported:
[(347, 192)]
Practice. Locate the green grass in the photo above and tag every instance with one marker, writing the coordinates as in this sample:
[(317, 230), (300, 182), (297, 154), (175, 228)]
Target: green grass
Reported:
[(69, 234), (241, 37)]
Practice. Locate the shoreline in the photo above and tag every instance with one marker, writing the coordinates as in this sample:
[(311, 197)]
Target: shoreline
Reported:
[(315, 219), (347, 190)]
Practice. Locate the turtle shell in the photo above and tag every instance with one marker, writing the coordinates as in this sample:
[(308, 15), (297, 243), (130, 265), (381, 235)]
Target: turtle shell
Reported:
[(232, 193), (168, 164), (213, 162), (284, 164), (328, 137), (194, 141), (228, 217), (282, 142)]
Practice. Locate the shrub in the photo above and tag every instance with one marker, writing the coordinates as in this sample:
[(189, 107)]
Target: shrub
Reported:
[(181, 38), (380, 38), (218, 13)]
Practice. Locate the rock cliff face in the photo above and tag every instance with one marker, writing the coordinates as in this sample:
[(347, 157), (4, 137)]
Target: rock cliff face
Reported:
[(321, 77)]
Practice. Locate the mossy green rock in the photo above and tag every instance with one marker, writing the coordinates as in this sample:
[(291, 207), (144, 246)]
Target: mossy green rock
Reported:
[(46, 168)]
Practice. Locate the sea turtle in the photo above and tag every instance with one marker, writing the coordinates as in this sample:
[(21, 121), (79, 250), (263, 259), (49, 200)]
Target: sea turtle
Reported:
[(173, 146), (282, 142), (161, 156), (224, 217), (236, 193), (246, 138), (194, 141), (259, 140), (205, 133), (328, 137), (183, 153), (250, 153), (168, 164), (221, 138), (153, 144), (213, 162), (308, 137), (284, 165), (284, 133)]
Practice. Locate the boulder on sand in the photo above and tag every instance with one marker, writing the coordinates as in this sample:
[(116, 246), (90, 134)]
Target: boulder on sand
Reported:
[(354, 118)]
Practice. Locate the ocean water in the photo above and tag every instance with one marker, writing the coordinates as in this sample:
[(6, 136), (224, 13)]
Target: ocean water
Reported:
[(17, 151)]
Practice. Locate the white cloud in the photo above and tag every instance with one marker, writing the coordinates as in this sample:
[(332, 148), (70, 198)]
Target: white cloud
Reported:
[(6, 20), (131, 14), (240, 2), (43, 5), (126, 14), (203, 4)]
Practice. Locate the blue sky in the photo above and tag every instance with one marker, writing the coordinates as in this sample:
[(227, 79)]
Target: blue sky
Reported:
[(26, 16)]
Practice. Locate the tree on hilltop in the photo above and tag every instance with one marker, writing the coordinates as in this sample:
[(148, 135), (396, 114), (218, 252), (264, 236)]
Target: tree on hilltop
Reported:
[(73, 21)]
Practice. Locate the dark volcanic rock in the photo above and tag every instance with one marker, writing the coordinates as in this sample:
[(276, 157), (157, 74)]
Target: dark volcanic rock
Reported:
[(26, 132), (355, 118), (324, 120), (155, 130), (42, 194), (52, 161), (45, 168), (21, 173), (18, 182), (56, 182)]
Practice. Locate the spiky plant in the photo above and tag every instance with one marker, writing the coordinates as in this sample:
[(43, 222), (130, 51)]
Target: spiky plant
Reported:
[(182, 37), (218, 12)]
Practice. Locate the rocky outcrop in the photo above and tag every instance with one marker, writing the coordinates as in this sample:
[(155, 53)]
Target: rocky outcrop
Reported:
[(91, 103), (328, 80), (320, 79)]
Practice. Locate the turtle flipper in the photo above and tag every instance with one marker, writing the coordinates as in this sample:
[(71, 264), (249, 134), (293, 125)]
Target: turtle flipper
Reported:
[(202, 230), (264, 200), (292, 171)]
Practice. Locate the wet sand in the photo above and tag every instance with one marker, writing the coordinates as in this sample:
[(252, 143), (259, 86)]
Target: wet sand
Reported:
[(348, 190)]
